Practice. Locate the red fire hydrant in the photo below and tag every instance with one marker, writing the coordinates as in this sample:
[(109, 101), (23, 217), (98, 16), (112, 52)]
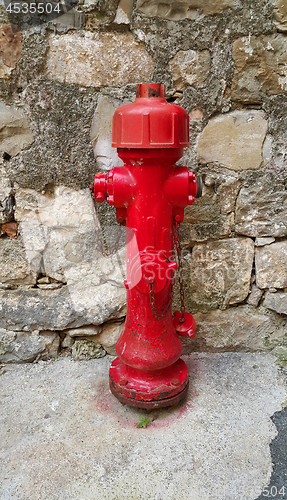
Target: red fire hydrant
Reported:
[(150, 193)]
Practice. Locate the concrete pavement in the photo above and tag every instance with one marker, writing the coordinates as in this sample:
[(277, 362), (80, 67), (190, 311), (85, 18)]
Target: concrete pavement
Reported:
[(63, 436)]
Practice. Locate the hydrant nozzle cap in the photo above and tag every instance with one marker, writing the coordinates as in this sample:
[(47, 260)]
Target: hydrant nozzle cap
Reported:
[(150, 122)]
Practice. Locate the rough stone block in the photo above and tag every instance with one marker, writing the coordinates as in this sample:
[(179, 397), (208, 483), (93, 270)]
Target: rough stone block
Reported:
[(46, 222), (271, 265), (109, 336), (280, 14), (10, 49), (220, 272), (72, 19), (61, 308), (237, 329), (101, 134), (67, 342), (61, 235), (255, 296), (234, 140), (23, 347), (14, 267), (190, 67), (190, 9), (276, 302), (84, 331), (124, 12), (228, 195), (15, 132), (260, 66), (261, 242), (98, 59), (261, 208), (204, 220), (6, 205)]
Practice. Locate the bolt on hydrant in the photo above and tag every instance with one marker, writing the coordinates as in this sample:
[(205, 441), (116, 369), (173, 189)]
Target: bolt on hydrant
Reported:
[(150, 193)]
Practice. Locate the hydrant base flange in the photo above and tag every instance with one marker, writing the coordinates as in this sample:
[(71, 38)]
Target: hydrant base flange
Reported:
[(151, 389), (150, 405)]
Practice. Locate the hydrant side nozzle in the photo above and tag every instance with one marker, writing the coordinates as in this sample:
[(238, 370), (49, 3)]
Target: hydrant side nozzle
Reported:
[(100, 190), (195, 187), (100, 197), (199, 185)]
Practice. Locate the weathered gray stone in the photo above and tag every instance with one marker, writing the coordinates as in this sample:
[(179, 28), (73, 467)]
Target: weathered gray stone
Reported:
[(260, 66), (181, 9), (105, 10), (10, 49), (15, 132), (84, 331), (87, 349), (47, 224), (261, 208), (43, 281), (255, 296), (238, 329), (72, 19), (204, 220), (228, 194), (66, 207), (260, 242), (50, 286), (98, 59), (276, 302), (101, 134), (190, 67), (280, 13), (124, 12), (271, 265), (109, 336), (220, 272), (6, 204), (23, 347), (60, 240), (234, 140), (67, 342), (14, 267), (60, 309)]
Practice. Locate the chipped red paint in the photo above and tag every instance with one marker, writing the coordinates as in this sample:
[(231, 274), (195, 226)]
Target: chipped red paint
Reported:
[(149, 192)]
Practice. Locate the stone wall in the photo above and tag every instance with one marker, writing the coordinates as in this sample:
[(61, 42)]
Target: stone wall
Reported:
[(225, 62)]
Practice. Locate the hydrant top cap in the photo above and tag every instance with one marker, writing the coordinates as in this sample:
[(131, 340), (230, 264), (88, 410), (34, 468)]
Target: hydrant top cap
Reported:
[(150, 90), (150, 122)]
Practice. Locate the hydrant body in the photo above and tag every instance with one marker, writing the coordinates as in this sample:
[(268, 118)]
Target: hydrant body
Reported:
[(149, 193)]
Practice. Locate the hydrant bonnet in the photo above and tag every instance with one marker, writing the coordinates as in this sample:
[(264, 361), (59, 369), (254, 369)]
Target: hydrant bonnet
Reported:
[(150, 122)]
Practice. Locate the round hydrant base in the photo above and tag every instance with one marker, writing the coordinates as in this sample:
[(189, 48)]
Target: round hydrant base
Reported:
[(150, 405), (149, 389)]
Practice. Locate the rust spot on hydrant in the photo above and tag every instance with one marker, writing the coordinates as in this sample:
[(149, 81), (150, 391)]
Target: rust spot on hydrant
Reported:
[(10, 228)]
